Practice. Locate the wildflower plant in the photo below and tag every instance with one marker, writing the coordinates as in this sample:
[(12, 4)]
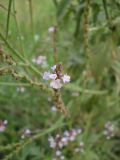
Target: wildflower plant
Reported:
[(57, 79), (51, 80), (60, 142)]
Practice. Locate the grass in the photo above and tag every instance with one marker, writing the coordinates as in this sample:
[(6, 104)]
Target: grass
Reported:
[(92, 100)]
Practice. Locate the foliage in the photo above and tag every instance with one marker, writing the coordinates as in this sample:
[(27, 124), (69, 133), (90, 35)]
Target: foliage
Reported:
[(87, 44)]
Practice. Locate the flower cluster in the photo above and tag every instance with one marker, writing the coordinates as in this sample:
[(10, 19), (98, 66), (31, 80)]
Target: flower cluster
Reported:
[(56, 77), (80, 148), (40, 60), (58, 142), (26, 133), (3, 125), (109, 131), (21, 89)]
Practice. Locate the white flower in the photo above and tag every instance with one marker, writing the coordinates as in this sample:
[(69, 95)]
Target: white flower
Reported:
[(82, 144), (60, 144), (5, 122), (53, 76), (66, 78), (62, 157), (53, 68), (40, 59), (79, 131), (66, 133), (53, 109), (51, 29), (34, 60), (58, 153), (21, 89), (27, 131), (56, 84), (65, 140), (72, 138), (52, 142), (77, 149), (46, 75)]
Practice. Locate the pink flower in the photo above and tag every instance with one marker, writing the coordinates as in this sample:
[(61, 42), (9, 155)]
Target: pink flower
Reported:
[(51, 29), (46, 75), (56, 84), (40, 59), (66, 78), (3, 125), (53, 76)]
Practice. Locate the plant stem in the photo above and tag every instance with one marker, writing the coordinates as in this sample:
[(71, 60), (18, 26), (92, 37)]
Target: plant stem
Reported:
[(31, 16), (8, 17)]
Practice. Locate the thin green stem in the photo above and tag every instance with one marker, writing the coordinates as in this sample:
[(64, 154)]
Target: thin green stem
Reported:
[(18, 30), (31, 16), (8, 17)]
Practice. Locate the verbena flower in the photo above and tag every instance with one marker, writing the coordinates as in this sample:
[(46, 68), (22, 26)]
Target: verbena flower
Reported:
[(53, 76), (26, 133), (66, 78), (40, 60), (3, 125), (56, 77), (109, 131), (46, 75), (58, 142), (51, 29), (21, 89), (53, 68), (53, 109), (56, 84), (80, 148)]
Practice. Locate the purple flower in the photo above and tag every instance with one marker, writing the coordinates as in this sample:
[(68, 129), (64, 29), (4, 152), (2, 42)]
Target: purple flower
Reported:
[(46, 75), (56, 84), (56, 78), (51, 29), (53, 68), (3, 125), (66, 78), (53, 76)]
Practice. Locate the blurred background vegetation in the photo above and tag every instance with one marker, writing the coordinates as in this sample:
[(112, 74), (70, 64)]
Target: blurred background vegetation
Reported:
[(88, 44)]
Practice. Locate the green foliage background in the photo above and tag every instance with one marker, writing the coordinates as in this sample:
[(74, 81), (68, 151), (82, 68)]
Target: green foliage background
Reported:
[(94, 69)]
